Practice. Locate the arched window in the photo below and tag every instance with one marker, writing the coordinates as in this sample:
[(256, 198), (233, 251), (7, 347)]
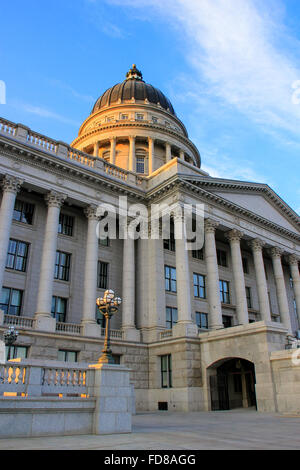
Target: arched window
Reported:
[(140, 164), (106, 156)]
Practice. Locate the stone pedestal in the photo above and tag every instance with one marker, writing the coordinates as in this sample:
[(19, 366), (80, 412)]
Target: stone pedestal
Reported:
[(1, 317), (45, 323), (91, 330), (113, 393), (187, 330), (132, 334)]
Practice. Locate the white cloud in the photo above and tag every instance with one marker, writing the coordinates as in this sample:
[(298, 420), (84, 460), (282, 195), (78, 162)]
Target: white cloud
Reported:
[(69, 89), (237, 48), (43, 112)]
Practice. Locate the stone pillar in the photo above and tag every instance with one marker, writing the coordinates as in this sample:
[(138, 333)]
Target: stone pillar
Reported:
[(89, 324), (283, 304), (213, 282), (11, 186), (44, 320), (261, 281), (168, 152), (128, 304), (182, 154), (294, 265), (113, 143), (96, 149), (234, 237), (131, 163), (185, 324), (151, 155)]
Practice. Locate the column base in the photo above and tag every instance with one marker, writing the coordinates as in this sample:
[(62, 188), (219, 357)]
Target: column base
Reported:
[(44, 322), (189, 330), (131, 334), (1, 317), (91, 329)]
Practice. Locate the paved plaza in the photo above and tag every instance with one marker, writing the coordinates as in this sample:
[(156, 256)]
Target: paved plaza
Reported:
[(184, 431)]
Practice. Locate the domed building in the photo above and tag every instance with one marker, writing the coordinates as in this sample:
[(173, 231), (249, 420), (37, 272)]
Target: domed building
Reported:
[(134, 126), (208, 328)]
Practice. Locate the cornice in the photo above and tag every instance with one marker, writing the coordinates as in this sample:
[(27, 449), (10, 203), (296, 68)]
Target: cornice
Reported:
[(70, 170)]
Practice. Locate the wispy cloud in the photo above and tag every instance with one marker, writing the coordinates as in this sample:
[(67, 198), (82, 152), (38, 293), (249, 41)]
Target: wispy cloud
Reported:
[(237, 48), (43, 113), (70, 90), (99, 17)]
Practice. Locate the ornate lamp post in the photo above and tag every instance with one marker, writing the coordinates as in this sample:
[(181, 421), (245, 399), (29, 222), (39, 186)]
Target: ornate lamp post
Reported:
[(10, 337), (108, 306)]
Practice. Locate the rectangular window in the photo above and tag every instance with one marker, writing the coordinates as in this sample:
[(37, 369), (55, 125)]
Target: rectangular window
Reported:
[(102, 275), (62, 266), (124, 117), (67, 356), (154, 119), (17, 255), (166, 371), (227, 321), (224, 292), (23, 212), (171, 317), (222, 258), (202, 320), (198, 254), (104, 242), (199, 286), (245, 265), (66, 224), (11, 301), (140, 117), (170, 243), (59, 309), (16, 352), (140, 165), (248, 297), (170, 279)]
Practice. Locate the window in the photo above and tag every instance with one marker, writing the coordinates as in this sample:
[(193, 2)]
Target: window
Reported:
[(170, 279), (106, 156), (16, 352), (140, 165), (198, 254), (62, 266), (17, 255), (222, 258), (59, 309), (154, 119), (67, 356), (116, 358), (202, 320), (227, 321), (224, 292), (245, 265), (170, 243), (104, 242), (124, 117), (23, 212), (66, 223), (248, 297), (11, 301), (199, 286), (171, 317), (100, 318), (140, 117), (166, 371), (102, 275), (109, 118)]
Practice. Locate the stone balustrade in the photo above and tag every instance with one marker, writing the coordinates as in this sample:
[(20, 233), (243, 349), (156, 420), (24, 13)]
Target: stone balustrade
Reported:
[(68, 328), (41, 141), (8, 127), (20, 322), (166, 334)]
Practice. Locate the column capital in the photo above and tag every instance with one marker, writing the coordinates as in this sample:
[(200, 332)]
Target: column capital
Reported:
[(256, 244), (234, 235), (293, 260), (275, 252), (210, 225), (54, 199), (91, 212), (113, 138), (11, 184), (151, 139), (132, 137)]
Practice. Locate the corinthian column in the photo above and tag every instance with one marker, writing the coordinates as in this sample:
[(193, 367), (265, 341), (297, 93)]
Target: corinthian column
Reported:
[(261, 281), (283, 304), (213, 282), (131, 163), (151, 154), (128, 306), (11, 186), (113, 143), (294, 265), (88, 321), (44, 320), (234, 237)]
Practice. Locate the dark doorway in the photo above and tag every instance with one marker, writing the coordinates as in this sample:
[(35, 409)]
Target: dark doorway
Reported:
[(233, 385)]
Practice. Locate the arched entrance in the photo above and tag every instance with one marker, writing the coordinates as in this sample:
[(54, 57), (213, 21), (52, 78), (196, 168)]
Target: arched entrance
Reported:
[(232, 384)]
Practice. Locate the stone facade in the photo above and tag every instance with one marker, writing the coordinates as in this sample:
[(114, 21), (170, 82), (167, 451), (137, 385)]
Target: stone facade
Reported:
[(252, 246)]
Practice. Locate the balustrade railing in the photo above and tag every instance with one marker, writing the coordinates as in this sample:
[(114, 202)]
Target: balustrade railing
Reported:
[(7, 127), (42, 141), (13, 379), (166, 334), (68, 328), (80, 157), (117, 334), (20, 322)]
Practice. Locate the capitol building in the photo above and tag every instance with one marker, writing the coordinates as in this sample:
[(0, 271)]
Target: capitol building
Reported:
[(205, 329)]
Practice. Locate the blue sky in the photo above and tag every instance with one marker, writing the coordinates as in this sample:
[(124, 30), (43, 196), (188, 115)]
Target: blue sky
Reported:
[(228, 67)]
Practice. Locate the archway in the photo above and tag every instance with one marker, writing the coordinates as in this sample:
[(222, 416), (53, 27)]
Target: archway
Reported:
[(232, 384)]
